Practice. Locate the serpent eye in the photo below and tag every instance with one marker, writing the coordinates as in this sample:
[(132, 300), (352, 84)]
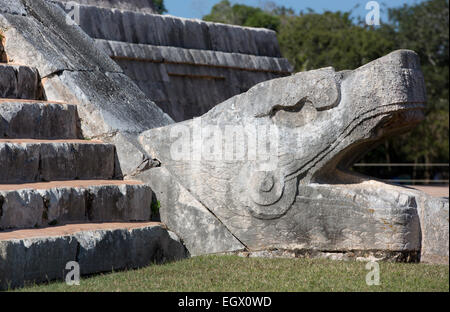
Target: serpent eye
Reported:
[(295, 116)]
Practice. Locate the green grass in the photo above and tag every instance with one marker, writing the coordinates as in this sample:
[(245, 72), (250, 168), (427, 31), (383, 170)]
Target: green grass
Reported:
[(232, 273)]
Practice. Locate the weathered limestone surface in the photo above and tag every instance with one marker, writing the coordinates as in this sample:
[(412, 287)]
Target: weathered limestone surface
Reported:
[(49, 161), (23, 260), (38, 120), (434, 217), (38, 42), (28, 207), (288, 188), (110, 106), (201, 231), (185, 66)]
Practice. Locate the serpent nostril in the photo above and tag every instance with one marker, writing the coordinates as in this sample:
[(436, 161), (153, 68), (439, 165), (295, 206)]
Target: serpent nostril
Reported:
[(299, 115)]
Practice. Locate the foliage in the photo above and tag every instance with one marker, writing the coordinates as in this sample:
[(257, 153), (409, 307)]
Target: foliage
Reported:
[(311, 40), (244, 15), (424, 28), (156, 206), (159, 6)]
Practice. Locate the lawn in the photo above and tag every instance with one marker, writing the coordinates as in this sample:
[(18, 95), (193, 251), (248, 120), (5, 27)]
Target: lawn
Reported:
[(232, 273)]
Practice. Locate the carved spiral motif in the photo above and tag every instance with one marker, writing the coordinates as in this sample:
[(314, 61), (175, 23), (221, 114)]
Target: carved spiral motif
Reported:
[(269, 195), (265, 188)]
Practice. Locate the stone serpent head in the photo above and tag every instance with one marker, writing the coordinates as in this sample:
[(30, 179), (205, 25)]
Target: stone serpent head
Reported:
[(306, 128)]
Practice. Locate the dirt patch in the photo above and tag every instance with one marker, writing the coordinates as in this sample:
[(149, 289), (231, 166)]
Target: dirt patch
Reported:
[(436, 191)]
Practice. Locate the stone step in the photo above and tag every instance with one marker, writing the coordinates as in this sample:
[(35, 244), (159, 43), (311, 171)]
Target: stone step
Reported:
[(20, 82), (24, 161), (164, 30), (62, 202), (142, 6), (38, 120), (41, 255)]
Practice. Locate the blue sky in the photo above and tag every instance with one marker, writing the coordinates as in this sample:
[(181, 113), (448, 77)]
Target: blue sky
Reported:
[(198, 8)]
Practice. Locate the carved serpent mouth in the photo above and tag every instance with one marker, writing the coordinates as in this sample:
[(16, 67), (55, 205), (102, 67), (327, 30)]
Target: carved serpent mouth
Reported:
[(407, 116), (394, 116), (271, 195), (375, 125), (391, 120)]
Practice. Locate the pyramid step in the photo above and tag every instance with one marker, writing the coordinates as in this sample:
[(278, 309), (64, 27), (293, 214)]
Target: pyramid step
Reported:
[(40, 255), (20, 82), (38, 120), (23, 161), (61, 202)]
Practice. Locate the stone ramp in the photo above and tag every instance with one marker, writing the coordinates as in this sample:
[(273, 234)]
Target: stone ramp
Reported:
[(41, 255), (435, 191)]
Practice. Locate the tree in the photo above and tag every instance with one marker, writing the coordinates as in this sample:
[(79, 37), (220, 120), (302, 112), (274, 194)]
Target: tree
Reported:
[(311, 40), (424, 28), (243, 15), (159, 6)]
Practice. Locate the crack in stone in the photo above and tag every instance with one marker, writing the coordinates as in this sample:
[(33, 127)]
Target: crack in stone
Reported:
[(2, 202), (89, 198), (46, 205)]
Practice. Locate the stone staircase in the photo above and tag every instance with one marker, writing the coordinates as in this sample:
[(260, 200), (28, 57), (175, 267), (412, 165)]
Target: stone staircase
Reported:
[(59, 198)]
